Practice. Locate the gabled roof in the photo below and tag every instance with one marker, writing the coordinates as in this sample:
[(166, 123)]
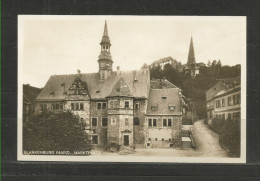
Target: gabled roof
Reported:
[(30, 93), (97, 89), (161, 83), (223, 85), (120, 89), (230, 82), (172, 99)]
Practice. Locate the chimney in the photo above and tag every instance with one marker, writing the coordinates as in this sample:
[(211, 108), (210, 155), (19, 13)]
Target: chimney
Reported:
[(117, 70), (78, 72)]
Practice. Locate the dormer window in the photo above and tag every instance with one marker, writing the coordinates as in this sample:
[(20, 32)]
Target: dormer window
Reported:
[(171, 107), (52, 93)]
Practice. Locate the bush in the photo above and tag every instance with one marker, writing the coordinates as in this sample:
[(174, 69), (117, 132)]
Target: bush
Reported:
[(229, 137), (49, 131), (217, 125)]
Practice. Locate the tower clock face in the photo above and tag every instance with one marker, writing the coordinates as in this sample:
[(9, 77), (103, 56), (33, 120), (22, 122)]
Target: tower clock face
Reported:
[(113, 121)]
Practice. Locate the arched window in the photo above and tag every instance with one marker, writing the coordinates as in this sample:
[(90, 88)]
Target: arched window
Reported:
[(136, 121)]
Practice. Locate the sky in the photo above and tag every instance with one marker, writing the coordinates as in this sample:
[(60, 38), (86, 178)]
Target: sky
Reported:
[(53, 45)]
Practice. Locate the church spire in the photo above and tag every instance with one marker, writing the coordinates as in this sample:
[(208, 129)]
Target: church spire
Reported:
[(191, 56), (105, 37), (105, 30)]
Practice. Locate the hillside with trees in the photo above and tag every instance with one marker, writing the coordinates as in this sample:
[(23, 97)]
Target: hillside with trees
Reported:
[(194, 88)]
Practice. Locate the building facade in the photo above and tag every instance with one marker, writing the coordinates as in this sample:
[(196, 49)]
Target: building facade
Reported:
[(116, 105), (167, 60), (29, 95), (223, 99)]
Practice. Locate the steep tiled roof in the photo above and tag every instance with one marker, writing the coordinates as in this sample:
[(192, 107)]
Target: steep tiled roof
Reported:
[(137, 82), (172, 98), (230, 82), (161, 83), (30, 93), (120, 89)]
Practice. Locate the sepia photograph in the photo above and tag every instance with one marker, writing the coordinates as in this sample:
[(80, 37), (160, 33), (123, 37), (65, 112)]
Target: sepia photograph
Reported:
[(132, 88)]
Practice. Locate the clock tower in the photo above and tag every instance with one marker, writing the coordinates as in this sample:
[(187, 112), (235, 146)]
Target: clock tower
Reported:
[(105, 59)]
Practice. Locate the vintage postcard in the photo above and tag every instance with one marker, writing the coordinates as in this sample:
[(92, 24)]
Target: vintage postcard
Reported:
[(132, 89)]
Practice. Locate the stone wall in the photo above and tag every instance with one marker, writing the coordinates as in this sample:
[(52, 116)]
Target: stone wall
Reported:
[(162, 137), (139, 130), (100, 130)]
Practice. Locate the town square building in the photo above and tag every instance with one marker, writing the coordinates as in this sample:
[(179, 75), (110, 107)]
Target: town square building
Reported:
[(120, 107), (223, 99)]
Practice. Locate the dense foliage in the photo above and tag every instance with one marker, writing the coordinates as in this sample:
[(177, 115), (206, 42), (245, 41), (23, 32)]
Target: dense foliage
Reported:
[(49, 131), (229, 134), (195, 88)]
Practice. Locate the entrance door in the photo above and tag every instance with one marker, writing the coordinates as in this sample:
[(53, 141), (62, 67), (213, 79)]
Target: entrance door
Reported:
[(126, 140)]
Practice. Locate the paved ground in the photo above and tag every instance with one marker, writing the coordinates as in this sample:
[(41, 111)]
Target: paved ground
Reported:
[(207, 145), (207, 141)]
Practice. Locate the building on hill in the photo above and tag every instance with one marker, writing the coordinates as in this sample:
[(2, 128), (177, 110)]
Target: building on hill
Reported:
[(117, 105), (29, 95), (223, 99), (192, 68), (167, 60)]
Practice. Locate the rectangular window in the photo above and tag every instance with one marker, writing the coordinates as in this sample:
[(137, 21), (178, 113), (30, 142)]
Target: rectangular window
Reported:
[(102, 76), (126, 104), (111, 103), (154, 122), (72, 106), (155, 139), (235, 99), (43, 107), (115, 103), (94, 122), (104, 121), (104, 105), (81, 106), (149, 139), (126, 122), (218, 104), (61, 106), (77, 106), (99, 105), (136, 121), (57, 106), (165, 122), (229, 101), (223, 102), (95, 139), (169, 122), (150, 122), (137, 105)]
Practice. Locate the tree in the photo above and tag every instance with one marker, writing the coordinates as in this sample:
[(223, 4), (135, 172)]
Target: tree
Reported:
[(209, 63), (49, 131)]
